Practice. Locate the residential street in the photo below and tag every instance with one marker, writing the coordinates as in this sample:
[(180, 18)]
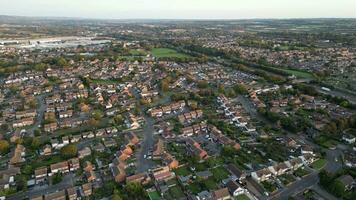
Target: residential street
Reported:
[(67, 181)]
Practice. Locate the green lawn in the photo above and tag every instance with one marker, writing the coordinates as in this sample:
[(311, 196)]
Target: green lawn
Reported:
[(242, 197), (319, 164), (269, 187), (287, 179), (211, 184), (220, 173), (138, 52), (301, 172), (194, 188), (176, 192), (297, 73), (153, 195), (182, 171), (166, 53)]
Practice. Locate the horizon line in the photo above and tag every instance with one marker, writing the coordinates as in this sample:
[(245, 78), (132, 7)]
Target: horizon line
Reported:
[(174, 19)]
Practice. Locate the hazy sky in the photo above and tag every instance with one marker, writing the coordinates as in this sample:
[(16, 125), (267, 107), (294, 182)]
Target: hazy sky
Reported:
[(180, 9)]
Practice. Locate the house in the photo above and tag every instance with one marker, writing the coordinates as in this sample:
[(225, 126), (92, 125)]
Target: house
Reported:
[(348, 181), (234, 188), (61, 167), (261, 175), (158, 150), (72, 193), (47, 150), (109, 143), (65, 140), (84, 152), (307, 159), (168, 160), (279, 169), (17, 156), (204, 195), (295, 163), (16, 135), (7, 176), (142, 178), (50, 127), (221, 194), (204, 174), (236, 172), (306, 149), (41, 174), (37, 198), (350, 160), (162, 173), (75, 138), (74, 164), (350, 139), (132, 138), (195, 149), (55, 143), (87, 189), (59, 195)]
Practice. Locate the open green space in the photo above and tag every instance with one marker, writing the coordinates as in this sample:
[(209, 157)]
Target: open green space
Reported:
[(300, 74), (182, 171), (138, 52), (167, 53), (242, 197), (319, 164), (153, 195), (174, 193), (269, 186), (220, 173), (287, 179), (301, 172)]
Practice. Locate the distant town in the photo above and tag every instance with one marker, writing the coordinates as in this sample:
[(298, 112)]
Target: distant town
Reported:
[(196, 110)]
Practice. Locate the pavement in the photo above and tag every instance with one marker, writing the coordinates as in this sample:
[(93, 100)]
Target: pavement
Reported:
[(67, 181), (40, 112), (298, 186)]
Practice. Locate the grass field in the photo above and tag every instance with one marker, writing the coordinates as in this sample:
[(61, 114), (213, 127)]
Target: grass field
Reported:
[(167, 53), (153, 195), (220, 173), (242, 197), (319, 164), (182, 171), (138, 52), (296, 73)]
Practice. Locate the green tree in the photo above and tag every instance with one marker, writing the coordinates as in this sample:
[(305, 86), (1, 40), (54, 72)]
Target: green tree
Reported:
[(135, 191), (69, 151), (35, 144), (57, 178), (4, 146)]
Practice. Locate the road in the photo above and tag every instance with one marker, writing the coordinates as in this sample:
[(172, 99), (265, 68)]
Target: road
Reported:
[(67, 181), (337, 93), (40, 112), (143, 164), (334, 161), (298, 186)]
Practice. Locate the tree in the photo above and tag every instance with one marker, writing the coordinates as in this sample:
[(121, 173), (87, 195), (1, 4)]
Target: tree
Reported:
[(4, 146), (35, 144), (119, 119), (98, 115), (164, 85), (116, 196), (135, 191), (69, 151), (57, 178)]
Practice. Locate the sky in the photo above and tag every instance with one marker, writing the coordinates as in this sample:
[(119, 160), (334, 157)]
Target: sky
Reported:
[(181, 9)]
